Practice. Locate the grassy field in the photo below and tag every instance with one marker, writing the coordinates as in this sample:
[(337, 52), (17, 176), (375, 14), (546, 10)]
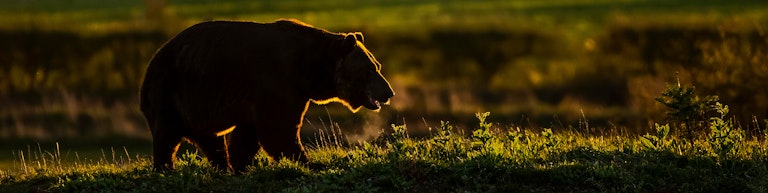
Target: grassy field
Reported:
[(490, 159), (69, 152), (677, 157)]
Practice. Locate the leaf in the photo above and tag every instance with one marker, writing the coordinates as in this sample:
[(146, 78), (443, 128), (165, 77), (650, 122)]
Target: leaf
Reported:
[(646, 141), (662, 131)]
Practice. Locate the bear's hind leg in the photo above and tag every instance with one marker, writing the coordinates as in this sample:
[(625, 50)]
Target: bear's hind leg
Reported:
[(214, 148), (244, 144), (166, 137)]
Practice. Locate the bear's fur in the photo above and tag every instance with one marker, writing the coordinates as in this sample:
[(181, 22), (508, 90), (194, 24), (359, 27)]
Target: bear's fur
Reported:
[(255, 80)]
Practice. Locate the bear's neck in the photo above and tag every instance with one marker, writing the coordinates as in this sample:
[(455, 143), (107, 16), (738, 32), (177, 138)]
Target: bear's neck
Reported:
[(322, 85), (318, 66)]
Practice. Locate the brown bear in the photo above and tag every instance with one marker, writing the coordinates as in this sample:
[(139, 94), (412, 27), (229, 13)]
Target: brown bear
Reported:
[(255, 81)]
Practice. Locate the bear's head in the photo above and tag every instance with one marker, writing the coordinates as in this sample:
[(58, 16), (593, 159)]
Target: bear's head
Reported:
[(358, 76)]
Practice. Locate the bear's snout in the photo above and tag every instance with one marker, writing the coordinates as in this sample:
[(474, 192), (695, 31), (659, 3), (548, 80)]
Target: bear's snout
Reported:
[(379, 93)]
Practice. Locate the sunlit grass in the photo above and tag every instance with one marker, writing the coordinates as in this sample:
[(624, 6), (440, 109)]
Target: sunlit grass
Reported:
[(502, 159), (490, 158)]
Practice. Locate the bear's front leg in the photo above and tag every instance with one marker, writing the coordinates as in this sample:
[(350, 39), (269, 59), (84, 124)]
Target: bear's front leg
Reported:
[(283, 142), (243, 146)]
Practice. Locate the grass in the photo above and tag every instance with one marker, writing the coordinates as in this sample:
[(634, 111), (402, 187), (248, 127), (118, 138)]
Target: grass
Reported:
[(491, 159), (26, 153)]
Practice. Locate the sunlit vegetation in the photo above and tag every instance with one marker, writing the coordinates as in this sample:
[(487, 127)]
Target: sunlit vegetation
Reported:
[(584, 95), (490, 159)]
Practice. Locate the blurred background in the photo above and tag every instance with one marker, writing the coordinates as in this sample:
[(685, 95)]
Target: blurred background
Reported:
[(70, 69)]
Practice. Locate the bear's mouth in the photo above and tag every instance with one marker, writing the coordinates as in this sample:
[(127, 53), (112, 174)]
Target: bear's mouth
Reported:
[(372, 104), (375, 104)]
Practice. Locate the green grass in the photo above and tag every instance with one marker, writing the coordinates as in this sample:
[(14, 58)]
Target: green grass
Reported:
[(15, 154), (492, 159)]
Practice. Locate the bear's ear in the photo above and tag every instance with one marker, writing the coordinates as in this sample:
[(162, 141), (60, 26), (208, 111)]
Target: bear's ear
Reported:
[(348, 43), (359, 37), (343, 45)]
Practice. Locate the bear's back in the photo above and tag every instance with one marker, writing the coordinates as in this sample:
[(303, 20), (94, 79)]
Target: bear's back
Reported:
[(285, 28)]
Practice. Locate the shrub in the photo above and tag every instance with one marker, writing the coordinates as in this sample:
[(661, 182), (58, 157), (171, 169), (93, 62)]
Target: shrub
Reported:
[(688, 112)]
